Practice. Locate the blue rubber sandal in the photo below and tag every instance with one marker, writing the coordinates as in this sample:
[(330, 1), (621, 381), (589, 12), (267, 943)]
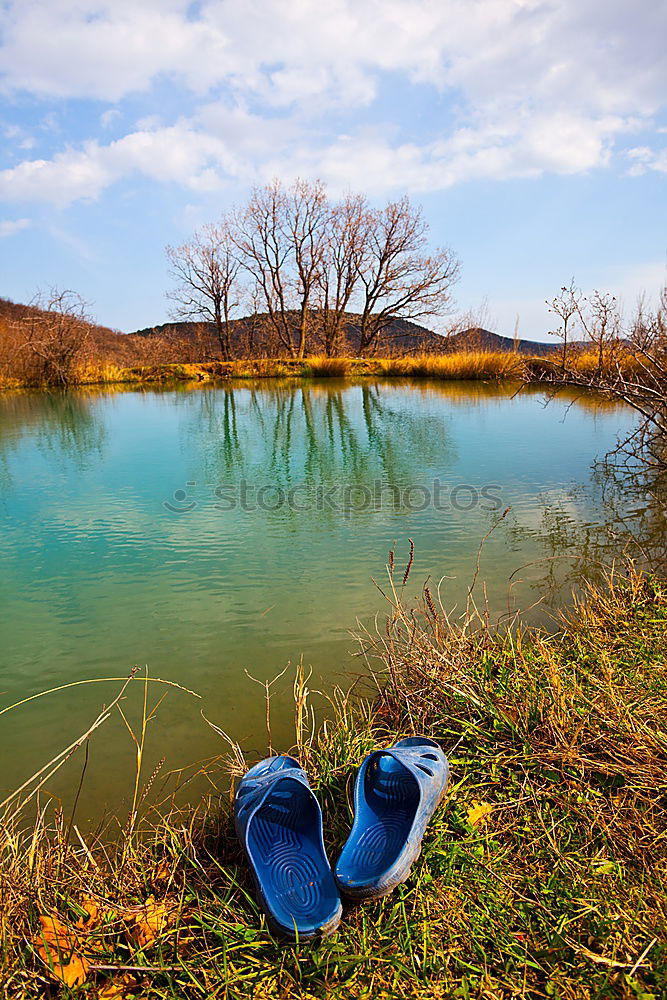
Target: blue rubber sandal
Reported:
[(396, 792), (279, 822)]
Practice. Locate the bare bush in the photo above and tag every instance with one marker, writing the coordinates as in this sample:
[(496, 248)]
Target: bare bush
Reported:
[(565, 305), (49, 341), (629, 363)]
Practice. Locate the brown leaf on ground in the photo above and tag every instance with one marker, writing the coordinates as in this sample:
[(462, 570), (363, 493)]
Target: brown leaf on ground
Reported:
[(151, 921), (93, 909), (122, 988), (74, 973), (164, 871), (58, 946)]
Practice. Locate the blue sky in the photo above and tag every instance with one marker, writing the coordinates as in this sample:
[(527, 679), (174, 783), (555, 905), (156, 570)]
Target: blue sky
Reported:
[(533, 133)]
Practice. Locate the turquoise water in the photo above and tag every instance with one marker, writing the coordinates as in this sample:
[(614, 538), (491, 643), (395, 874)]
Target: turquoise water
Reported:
[(213, 531)]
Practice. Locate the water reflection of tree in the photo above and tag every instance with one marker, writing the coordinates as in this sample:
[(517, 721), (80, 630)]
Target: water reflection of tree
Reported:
[(628, 519), (473, 394), (71, 426), (636, 502), (286, 434), (61, 423), (629, 523)]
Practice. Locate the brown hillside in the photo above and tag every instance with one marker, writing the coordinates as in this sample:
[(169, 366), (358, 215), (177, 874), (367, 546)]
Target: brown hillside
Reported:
[(249, 338), (192, 342)]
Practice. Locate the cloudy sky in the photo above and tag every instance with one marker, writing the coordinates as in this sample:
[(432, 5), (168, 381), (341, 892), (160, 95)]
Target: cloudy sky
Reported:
[(533, 133)]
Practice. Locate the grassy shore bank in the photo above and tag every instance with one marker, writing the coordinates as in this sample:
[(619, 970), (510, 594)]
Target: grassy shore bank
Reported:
[(461, 365), (543, 875)]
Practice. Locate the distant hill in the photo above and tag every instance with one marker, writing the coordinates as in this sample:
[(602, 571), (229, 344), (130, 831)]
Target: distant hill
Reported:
[(188, 341), (250, 334), (402, 337), (479, 339)]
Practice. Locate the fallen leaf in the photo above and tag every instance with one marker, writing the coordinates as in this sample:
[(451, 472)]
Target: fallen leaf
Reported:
[(151, 921), (92, 908), (119, 989), (479, 812), (54, 935), (74, 973), (56, 945)]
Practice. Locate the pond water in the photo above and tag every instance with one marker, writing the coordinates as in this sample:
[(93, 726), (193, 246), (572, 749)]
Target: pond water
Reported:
[(212, 531)]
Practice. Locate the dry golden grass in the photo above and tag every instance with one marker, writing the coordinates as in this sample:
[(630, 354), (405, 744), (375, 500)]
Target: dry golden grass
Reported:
[(620, 361), (320, 366), (464, 365), (97, 372), (616, 363), (460, 365)]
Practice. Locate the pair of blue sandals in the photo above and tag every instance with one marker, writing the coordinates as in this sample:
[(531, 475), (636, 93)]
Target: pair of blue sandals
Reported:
[(279, 822)]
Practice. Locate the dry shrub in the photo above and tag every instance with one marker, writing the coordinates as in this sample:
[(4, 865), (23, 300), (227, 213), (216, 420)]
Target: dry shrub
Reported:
[(49, 341), (321, 366)]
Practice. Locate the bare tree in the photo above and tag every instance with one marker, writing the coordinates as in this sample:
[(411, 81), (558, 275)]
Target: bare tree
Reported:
[(309, 265), (307, 217), (281, 237), (397, 277), (566, 305), (601, 324), (206, 271), (643, 385), (341, 265), (260, 236)]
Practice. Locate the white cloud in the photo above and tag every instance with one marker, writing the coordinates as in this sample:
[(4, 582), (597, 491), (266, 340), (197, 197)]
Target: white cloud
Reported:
[(177, 153), (562, 143), (8, 227), (644, 158), (99, 50), (222, 144), (532, 86), (600, 52), (107, 118)]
